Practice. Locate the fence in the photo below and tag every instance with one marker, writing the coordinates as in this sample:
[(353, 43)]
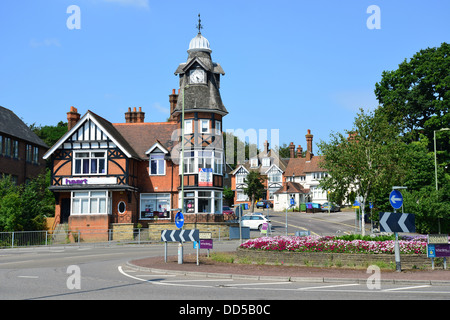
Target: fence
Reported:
[(68, 237), (77, 237)]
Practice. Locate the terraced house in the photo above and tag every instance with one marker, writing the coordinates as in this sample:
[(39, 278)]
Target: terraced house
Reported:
[(107, 173)]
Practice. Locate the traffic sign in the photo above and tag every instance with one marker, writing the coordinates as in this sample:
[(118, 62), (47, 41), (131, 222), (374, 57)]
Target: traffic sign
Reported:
[(397, 222), (396, 199), (204, 244), (179, 220), (180, 235)]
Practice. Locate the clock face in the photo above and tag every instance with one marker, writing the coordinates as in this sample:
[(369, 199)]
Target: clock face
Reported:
[(197, 76)]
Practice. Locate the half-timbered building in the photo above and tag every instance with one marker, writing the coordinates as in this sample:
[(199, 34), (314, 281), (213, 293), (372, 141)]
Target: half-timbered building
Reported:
[(140, 172)]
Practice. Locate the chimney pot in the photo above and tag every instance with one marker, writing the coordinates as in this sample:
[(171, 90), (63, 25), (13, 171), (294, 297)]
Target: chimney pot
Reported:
[(291, 150), (72, 118)]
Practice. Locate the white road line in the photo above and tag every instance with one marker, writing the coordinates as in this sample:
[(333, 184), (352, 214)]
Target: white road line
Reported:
[(331, 286), (258, 284), (28, 277), (407, 288)]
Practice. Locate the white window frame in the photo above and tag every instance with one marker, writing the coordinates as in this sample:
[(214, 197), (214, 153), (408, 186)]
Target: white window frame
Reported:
[(253, 162), (87, 198), (218, 127), (90, 158), (266, 162), (159, 162), (204, 126), (188, 128)]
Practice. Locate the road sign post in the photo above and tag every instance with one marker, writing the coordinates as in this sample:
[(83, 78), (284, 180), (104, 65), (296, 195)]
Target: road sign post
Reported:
[(179, 222)]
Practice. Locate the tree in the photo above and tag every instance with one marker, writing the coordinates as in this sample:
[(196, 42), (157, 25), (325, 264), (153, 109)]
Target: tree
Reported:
[(50, 134), (416, 97), (368, 159), (24, 207), (255, 187)]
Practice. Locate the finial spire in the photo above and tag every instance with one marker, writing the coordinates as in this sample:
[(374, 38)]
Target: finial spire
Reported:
[(199, 25)]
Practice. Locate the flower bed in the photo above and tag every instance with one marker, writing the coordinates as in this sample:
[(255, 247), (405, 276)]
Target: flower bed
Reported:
[(334, 245)]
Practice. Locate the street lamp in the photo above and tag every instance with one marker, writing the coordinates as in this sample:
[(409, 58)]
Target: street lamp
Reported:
[(435, 160), (435, 167)]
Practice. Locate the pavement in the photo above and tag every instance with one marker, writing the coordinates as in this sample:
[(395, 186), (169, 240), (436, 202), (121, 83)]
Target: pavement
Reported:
[(212, 269)]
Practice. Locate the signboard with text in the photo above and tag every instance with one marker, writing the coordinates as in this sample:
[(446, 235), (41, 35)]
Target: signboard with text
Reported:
[(205, 177)]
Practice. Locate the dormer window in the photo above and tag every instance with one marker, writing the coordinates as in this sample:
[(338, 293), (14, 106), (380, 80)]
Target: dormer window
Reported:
[(157, 164), (266, 162), (254, 162)]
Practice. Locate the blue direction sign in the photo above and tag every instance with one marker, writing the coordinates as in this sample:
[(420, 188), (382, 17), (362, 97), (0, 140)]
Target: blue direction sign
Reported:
[(396, 199), (179, 220)]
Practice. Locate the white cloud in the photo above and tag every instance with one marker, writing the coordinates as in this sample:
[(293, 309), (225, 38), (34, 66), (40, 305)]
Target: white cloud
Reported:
[(132, 3), (49, 42)]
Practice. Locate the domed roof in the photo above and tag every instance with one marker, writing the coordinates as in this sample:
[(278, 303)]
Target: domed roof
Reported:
[(199, 43)]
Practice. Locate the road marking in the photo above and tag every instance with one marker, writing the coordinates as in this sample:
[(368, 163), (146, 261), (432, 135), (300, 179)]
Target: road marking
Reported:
[(258, 284), (407, 288), (331, 286), (28, 277)]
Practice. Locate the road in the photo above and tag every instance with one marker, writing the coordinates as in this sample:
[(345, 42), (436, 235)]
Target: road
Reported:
[(89, 272), (319, 223)]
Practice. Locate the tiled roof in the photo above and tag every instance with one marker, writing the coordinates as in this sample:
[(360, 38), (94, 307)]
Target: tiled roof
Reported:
[(299, 166), (142, 136), (10, 124), (292, 187)]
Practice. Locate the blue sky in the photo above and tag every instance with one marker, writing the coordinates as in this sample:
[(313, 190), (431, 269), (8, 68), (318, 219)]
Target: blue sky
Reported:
[(290, 65)]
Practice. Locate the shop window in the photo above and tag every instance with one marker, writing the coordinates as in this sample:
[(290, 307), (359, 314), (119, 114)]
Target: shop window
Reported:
[(155, 206)]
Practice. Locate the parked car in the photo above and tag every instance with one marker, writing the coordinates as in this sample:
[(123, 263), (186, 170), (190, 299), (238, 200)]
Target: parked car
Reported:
[(227, 210), (255, 221), (264, 204), (334, 207)]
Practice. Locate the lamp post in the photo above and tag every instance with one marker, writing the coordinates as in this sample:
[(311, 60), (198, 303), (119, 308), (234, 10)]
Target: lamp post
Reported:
[(435, 167)]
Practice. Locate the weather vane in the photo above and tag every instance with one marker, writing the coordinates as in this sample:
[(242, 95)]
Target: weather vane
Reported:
[(199, 26)]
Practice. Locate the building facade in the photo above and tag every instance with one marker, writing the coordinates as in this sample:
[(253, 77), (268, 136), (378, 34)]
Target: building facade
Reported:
[(297, 177), (144, 172), (21, 150)]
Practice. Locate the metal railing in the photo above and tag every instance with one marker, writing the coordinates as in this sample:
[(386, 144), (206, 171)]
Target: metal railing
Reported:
[(71, 237), (90, 236)]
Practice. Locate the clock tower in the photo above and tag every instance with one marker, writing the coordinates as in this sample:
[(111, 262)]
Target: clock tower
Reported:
[(199, 112)]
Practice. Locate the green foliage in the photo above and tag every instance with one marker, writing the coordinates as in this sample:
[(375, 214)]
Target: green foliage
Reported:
[(255, 186), (351, 237), (50, 134), (416, 97), (25, 207)]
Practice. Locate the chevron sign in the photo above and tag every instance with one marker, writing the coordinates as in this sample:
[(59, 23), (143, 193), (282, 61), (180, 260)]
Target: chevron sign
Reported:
[(397, 222), (180, 235)]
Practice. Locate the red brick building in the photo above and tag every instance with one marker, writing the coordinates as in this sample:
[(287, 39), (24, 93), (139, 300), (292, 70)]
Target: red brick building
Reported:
[(131, 172), (21, 150)]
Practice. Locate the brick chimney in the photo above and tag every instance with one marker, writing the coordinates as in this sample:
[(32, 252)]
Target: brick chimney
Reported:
[(299, 151), (72, 118), (291, 150), (266, 147), (173, 99), (309, 151), (134, 116)]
